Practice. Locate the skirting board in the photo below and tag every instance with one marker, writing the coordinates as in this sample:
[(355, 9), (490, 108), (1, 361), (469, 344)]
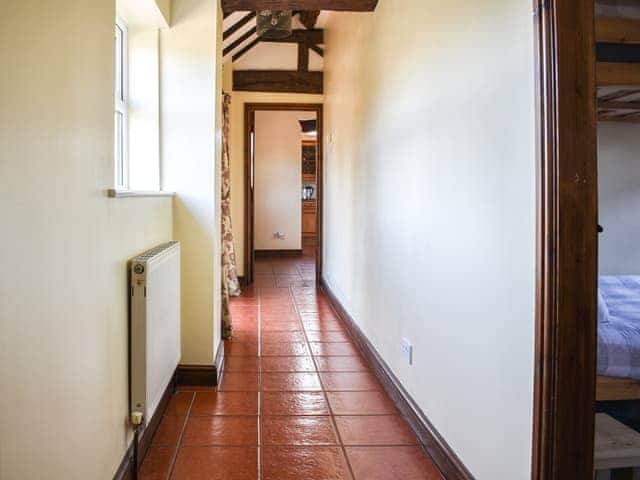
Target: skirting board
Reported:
[(443, 456), (202, 375), (126, 469)]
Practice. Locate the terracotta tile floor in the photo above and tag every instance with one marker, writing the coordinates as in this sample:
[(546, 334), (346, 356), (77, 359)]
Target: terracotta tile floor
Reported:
[(296, 400)]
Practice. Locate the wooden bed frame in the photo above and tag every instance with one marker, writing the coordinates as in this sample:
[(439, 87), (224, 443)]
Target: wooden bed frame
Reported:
[(613, 388), (618, 101), (618, 81)]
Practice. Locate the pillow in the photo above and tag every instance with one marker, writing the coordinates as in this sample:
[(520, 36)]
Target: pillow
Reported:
[(603, 310)]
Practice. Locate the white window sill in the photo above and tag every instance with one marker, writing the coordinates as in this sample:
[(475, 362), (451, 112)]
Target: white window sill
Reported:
[(113, 193)]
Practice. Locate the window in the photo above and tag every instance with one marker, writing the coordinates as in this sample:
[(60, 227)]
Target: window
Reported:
[(121, 147)]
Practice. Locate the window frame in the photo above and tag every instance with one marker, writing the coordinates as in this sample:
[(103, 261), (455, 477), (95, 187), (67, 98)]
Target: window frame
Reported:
[(121, 105)]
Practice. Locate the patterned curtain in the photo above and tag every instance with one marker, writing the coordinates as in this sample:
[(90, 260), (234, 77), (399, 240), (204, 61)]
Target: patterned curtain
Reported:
[(230, 284)]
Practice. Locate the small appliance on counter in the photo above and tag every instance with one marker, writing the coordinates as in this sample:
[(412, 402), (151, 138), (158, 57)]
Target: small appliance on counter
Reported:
[(307, 192)]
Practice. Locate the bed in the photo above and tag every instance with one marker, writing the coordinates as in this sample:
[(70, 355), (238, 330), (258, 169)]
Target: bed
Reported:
[(618, 338)]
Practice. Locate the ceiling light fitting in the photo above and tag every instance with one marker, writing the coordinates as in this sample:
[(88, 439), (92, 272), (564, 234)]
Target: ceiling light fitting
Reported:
[(273, 24)]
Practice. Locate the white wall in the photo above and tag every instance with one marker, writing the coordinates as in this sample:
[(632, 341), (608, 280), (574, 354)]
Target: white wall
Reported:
[(278, 179), (190, 166), (63, 284), (165, 9), (145, 13), (619, 198), (430, 210)]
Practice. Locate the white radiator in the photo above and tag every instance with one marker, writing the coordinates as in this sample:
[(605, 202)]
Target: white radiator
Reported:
[(155, 325)]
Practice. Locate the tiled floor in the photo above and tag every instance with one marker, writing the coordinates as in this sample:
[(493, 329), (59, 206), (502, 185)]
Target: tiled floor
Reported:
[(286, 272), (296, 401)]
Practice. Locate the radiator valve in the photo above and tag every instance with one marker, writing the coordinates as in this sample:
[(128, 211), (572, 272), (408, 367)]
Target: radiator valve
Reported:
[(137, 418)]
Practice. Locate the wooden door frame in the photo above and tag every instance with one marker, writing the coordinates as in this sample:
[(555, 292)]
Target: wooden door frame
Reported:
[(249, 113), (566, 305)]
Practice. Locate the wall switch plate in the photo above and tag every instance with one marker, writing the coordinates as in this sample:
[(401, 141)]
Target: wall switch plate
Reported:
[(407, 350)]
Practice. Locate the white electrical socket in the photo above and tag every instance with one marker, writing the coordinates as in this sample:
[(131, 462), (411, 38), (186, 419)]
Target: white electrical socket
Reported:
[(279, 236), (407, 350)]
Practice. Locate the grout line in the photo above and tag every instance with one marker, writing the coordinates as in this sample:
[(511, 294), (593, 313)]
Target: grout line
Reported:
[(324, 393), (259, 325), (259, 455), (179, 444)]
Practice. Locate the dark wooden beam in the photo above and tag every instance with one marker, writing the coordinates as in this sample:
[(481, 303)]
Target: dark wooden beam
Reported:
[(277, 81), (245, 49), (337, 5), (239, 41), (301, 36), (303, 57), (238, 25), (317, 49), (309, 18)]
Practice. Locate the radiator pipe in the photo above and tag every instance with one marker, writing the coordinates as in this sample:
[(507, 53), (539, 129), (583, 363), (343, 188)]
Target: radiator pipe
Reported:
[(136, 420)]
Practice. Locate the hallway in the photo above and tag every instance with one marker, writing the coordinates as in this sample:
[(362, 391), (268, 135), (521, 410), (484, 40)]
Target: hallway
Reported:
[(296, 400)]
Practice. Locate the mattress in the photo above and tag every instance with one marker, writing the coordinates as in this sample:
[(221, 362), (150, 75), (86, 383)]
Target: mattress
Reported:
[(619, 326)]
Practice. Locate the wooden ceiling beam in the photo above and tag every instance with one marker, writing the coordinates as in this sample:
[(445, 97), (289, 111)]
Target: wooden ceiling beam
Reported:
[(239, 41), (238, 25), (310, 37), (317, 49), (337, 5), (277, 81), (303, 57), (309, 18)]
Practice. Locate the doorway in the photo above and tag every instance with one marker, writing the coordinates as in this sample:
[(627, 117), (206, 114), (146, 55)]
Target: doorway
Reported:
[(279, 221)]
